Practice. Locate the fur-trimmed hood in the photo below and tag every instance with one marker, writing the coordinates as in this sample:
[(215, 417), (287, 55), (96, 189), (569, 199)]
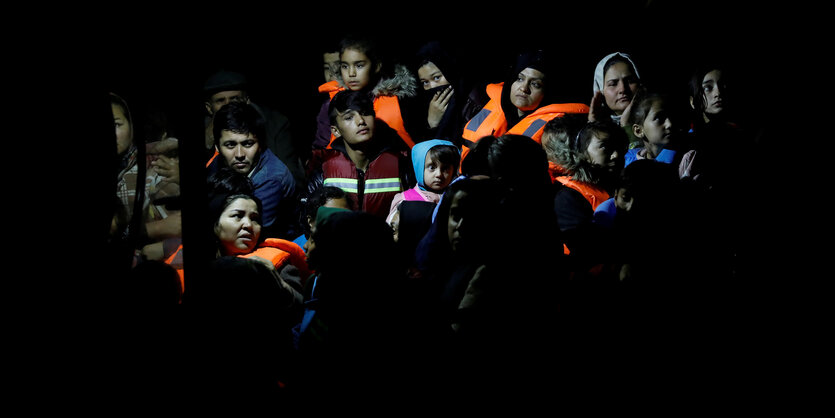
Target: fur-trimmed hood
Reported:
[(402, 84)]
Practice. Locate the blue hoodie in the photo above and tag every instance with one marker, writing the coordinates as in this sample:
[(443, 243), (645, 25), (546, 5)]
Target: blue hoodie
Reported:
[(419, 157)]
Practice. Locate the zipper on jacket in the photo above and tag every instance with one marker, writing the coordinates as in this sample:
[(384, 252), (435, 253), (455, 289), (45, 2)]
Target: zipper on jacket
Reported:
[(360, 187)]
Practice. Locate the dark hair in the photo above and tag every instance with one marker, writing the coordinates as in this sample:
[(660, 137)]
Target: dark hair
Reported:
[(226, 180), (317, 199), (696, 79), (366, 45), (581, 142), (515, 160), (225, 186), (347, 100), (240, 118), (445, 154), (643, 104), (564, 129), (118, 101), (372, 50)]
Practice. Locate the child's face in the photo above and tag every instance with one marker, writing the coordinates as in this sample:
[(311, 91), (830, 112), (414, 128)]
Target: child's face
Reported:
[(602, 151), (437, 176), (623, 199), (357, 69), (712, 87), (330, 61), (431, 76), (657, 128), (354, 127)]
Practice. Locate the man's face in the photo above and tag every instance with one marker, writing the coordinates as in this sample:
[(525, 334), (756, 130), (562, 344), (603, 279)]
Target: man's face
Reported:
[(354, 127), (240, 151), (221, 98)]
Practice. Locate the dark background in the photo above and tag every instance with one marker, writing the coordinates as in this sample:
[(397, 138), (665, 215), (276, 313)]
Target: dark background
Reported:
[(162, 61), (159, 57)]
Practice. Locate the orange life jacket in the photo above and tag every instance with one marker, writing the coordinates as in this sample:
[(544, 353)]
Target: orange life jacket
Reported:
[(212, 159), (275, 250), (281, 252), (595, 196), (386, 108), (491, 119), (555, 170)]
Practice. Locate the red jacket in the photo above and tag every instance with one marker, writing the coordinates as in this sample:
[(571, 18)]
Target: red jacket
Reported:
[(372, 190)]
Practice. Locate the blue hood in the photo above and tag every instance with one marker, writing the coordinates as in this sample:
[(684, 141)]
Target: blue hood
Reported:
[(419, 157)]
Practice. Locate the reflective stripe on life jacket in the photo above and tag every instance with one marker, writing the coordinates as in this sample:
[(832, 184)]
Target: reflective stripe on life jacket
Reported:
[(491, 120), (389, 184), (373, 189), (488, 121)]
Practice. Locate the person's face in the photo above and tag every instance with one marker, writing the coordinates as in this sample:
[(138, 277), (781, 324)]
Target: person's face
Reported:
[(221, 98), (623, 199), (336, 202), (431, 76), (619, 85), (239, 227), (455, 222), (353, 127), (240, 151), (309, 246), (124, 131), (330, 65), (603, 151), (357, 70), (436, 176), (712, 89), (528, 90), (657, 128)]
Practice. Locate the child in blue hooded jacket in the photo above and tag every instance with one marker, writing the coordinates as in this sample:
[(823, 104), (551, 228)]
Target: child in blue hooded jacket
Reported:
[(435, 163)]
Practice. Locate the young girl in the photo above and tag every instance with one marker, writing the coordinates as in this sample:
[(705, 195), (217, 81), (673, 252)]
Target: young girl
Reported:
[(436, 164), (363, 69), (652, 123)]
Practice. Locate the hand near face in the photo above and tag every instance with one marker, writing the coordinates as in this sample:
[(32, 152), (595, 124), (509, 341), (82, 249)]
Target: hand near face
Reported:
[(168, 168), (598, 109), (438, 106)]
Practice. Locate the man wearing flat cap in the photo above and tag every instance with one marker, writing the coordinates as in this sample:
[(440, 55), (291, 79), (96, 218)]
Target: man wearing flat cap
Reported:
[(224, 87)]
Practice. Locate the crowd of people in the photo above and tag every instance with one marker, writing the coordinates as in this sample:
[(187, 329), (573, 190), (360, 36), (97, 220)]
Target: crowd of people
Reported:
[(434, 232)]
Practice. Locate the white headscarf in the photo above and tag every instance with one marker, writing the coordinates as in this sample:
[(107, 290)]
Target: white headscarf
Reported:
[(598, 72)]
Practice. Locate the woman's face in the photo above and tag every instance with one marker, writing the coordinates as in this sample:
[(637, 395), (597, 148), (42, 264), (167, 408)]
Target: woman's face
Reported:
[(455, 221), (357, 69), (239, 227), (430, 76), (124, 131), (619, 85), (712, 89), (528, 90)]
